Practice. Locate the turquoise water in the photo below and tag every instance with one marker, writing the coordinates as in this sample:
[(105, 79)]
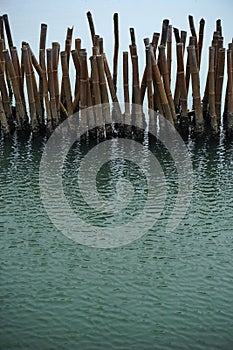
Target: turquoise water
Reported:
[(162, 291)]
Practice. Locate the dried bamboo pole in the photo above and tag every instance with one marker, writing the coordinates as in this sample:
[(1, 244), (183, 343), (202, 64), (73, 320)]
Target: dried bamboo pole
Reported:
[(8, 30), (97, 97), (126, 87), (193, 32), (83, 89), (177, 91), (116, 49), (3, 119), (200, 40), (104, 94), (75, 56), (51, 88), (219, 82), (229, 111), (18, 72), (30, 90), (149, 81), (42, 45), (183, 36), (160, 88), (44, 90), (66, 82), (194, 72), (192, 42), (182, 84), (165, 75), (5, 98), (92, 27), (2, 47), (230, 47), (169, 51), (155, 42), (20, 112), (55, 61), (164, 35), (211, 90)]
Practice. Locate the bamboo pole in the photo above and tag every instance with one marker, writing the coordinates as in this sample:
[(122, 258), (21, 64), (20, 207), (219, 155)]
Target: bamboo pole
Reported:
[(51, 88), (5, 98), (2, 47), (193, 32), (126, 86), (42, 45), (165, 75), (75, 56), (55, 61), (30, 90), (194, 72), (44, 91), (219, 82), (192, 41), (104, 94), (3, 119), (116, 49), (20, 112), (149, 81), (160, 88), (66, 82), (182, 84), (83, 89), (211, 90), (92, 27), (200, 40), (8, 30), (169, 52), (164, 35), (229, 111)]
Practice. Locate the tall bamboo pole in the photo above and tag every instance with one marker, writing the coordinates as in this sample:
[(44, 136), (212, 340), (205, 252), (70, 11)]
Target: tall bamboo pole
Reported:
[(8, 30), (182, 84), (51, 88), (92, 27), (5, 98), (219, 82), (3, 120), (83, 89), (55, 61), (229, 112), (44, 91), (211, 90), (126, 86), (169, 52), (66, 82), (194, 71), (116, 49), (75, 56), (42, 45), (200, 40)]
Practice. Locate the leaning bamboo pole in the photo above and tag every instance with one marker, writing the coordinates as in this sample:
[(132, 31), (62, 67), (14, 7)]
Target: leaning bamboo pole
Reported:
[(200, 40), (211, 90), (5, 98), (92, 27), (116, 49), (219, 82), (8, 30), (165, 75), (66, 82), (20, 112), (194, 72)]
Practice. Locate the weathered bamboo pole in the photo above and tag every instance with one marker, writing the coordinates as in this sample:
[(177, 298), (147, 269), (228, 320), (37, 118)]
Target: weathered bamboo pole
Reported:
[(219, 82), (8, 30), (182, 84), (165, 75), (44, 91), (104, 94), (192, 42), (229, 111), (92, 27), (20, 112), (75, 56), (193, 32), (160, 88), (51, 88), (3, 119), (66, 82), (126, 87), (83, 89), (2, 47), (116, 49), (164, 35), (5, 98), (97, 97), (183, 36), (155, 42), (194, 72), (149, 81), (55, 61), (177, 91), (169, 51), (30, 90), (200, 40), (42, 45), (219, 27), (17, 68), (211, 90)]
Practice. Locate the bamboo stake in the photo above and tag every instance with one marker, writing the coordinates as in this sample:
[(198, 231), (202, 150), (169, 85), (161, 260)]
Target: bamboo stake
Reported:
[(182, 83), (3, 120), (165, 75), (5, 98), (219, 82), (169, 52), (83, 89), (66, 82), (193, 32), (160, 87), (183, 36), (211, 90), (42, 44), (44, 90), (200, 40), (116, 49), (155, 42), (20, 112), (55, 60), (51, 88), (149, 81), (8, 30), (75, 56), (126, 86), (229, 115), (16, 64), (2, 47), (196, 88), (30, 90), (91, 25), (164, 35)]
